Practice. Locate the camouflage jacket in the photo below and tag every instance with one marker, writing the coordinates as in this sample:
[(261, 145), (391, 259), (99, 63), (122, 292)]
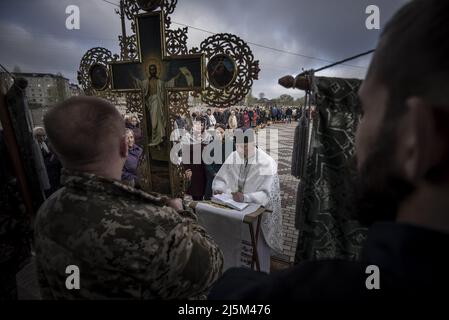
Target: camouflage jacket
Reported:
[(126, 244)]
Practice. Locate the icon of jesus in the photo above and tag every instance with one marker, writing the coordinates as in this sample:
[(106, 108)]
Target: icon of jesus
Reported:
[(153, 89)]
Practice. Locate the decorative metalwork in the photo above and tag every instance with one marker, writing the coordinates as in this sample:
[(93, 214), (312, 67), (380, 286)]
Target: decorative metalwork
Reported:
[(132, 9), (222, 90), (149, 5), (177, 105), (113, 97), (128, 48), (176, 41), (168, 7), (94, 56), (144, 173), (247, 69), (134, 104)]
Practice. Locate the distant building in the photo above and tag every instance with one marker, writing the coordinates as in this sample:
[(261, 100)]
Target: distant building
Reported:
[(75, 90), (6, 82), (45, 89)]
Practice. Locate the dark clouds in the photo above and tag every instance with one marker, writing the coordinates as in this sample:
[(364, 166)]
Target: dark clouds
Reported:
[(33, 33)]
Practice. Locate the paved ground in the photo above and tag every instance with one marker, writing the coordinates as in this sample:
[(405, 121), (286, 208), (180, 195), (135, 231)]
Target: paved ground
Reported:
[(289, 185)]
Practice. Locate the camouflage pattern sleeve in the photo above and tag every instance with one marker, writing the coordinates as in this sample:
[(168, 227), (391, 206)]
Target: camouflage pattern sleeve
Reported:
[(205, 264), (190, 260), (188, 214), (206, 259)]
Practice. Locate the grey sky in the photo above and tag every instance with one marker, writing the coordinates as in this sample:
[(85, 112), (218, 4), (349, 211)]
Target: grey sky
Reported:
[(33, 34)]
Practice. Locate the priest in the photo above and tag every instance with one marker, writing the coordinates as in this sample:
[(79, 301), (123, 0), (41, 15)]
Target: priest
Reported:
[(249, 174)]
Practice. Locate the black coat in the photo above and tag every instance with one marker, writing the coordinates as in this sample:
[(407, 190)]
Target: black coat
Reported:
[(412, 262), (225, 117)]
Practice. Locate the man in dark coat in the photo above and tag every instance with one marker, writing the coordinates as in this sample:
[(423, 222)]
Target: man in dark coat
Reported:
[(402, 150), (225, 116)]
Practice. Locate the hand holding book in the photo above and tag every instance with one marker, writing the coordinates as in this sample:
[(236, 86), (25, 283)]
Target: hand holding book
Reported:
[(227, 200), (238, 196)]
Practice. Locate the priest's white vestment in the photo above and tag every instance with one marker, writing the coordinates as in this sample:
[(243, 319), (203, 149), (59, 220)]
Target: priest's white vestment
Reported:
[(257, 179)]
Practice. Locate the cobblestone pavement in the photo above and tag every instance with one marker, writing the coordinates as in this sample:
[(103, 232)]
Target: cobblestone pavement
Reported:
[(289, 185)]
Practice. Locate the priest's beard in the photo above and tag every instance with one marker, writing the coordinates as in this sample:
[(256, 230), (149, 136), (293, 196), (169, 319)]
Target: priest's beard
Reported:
[(379, 188)]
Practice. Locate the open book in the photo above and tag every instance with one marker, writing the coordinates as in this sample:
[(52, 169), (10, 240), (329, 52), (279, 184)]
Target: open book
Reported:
[(226, 200)]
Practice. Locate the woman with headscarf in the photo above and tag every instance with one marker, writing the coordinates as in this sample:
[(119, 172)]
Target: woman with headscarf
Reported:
[(132, 123), (254, 119), (52, 164), (129, 173), (246, 120), (232, 121)]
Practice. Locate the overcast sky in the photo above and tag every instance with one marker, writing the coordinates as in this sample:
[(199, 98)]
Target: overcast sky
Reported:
[(33, 34)]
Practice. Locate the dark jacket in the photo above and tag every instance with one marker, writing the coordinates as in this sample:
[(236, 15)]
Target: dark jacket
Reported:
[(212, 169), (129, 172), (198, 182), (412, 262), (53, 166)]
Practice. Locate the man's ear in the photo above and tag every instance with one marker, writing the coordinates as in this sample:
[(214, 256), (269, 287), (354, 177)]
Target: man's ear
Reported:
[(423, 145), (124, 147)]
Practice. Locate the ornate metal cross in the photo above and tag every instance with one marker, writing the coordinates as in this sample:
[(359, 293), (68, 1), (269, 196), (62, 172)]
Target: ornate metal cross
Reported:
[(154, 70)]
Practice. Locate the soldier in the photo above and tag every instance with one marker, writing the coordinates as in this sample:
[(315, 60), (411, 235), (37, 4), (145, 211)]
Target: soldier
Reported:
[(125, 243)]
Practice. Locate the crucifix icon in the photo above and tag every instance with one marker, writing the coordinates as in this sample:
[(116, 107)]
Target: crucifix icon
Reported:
[(154, 74)]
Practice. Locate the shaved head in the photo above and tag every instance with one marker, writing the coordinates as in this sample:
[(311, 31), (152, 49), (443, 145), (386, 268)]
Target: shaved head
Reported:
[(84, 131)]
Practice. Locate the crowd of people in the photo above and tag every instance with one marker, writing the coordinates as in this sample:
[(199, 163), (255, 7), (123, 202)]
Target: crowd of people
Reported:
[(250, 117), (201, 127), (204, 127)]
